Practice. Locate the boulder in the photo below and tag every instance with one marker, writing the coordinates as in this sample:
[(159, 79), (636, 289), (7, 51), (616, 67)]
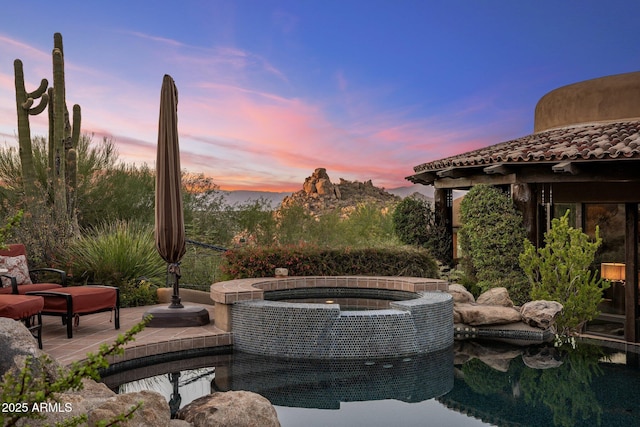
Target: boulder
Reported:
[(94, 399), (476, 315), (324, 187), (17, 345), (495, 296), (154, 411), (460, 294), (79, 402), (230, 409), (541, 314), (309, 187)]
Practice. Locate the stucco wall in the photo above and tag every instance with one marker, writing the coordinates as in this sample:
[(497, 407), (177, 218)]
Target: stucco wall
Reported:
[(608, 98)]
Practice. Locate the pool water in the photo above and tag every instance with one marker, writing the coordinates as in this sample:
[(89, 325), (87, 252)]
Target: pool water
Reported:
[(470, 384), (347, 304), (349, 299)]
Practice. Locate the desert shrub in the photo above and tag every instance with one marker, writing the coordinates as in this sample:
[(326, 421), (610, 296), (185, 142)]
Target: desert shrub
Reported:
[(138, 292), (491, 239), (106, 189), (366, 225), (559, 271), (307, 260), (200, 267), (118, 253), (9, 224), (207, 216), (123, 192), (43, 238), (255, 222), (293, 225), (414, 222)]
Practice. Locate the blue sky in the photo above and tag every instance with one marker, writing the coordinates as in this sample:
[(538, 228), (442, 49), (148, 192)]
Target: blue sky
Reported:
[(271, 90)]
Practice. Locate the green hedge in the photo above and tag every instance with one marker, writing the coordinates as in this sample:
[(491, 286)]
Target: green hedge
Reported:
[(316, 261)]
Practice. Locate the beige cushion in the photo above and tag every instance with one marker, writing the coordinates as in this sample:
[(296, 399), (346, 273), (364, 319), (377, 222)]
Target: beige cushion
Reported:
[(16, 266)]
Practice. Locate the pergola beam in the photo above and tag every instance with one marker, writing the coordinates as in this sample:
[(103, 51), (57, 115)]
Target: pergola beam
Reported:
[(497, 170), (565, 167), (451, 173)]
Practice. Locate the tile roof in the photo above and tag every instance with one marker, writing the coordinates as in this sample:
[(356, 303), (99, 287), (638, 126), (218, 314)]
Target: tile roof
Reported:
[(596, 141)]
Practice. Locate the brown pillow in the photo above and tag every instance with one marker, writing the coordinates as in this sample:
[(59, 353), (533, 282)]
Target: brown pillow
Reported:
[(16, 266)]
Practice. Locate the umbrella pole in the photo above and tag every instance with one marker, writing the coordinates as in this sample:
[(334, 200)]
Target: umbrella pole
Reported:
[(174, 270)]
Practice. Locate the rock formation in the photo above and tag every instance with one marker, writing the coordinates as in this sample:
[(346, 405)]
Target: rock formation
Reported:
[(320, 196), (493, 315)]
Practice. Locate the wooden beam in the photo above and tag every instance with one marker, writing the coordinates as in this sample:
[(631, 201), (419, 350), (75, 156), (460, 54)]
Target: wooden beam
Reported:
[(470, 181), (425, 178), (497, 170), (525, 198), (565, 167), (631, 309), (451, 173)]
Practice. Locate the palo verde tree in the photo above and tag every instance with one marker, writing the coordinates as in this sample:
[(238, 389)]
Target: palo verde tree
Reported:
[(63, 137)]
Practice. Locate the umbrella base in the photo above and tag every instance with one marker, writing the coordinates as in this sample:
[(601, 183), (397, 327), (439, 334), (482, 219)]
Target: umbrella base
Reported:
[(165, 317)]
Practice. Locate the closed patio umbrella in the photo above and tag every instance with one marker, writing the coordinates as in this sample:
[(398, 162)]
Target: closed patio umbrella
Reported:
[(169, 218), (169, 229)]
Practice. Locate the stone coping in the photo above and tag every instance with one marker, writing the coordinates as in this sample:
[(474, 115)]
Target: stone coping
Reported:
[(232, 291)]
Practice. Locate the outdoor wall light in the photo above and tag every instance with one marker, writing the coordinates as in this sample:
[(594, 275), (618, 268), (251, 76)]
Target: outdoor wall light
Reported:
[(613, 271)]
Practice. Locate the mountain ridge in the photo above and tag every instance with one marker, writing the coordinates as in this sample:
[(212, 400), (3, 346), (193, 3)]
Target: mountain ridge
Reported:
[(274, 198)]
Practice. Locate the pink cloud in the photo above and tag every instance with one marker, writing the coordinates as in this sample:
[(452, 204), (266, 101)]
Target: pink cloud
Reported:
[(239, 132)]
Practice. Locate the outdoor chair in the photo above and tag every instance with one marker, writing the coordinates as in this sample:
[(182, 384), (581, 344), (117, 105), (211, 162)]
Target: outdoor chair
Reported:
[(24, 308), (74, 301), (18, 279)]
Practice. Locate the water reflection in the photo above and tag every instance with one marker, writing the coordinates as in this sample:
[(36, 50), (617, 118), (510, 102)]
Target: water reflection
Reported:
[(324, 384), (561, 385)]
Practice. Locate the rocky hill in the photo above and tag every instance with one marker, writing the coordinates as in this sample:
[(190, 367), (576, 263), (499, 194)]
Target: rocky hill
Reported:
[(320, 196)]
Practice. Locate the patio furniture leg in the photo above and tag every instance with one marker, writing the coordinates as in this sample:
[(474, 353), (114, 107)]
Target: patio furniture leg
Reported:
[(117, 309), (69, 316)]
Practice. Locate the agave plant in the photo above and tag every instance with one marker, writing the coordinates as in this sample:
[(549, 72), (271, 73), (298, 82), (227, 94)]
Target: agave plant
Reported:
[(116, 253)]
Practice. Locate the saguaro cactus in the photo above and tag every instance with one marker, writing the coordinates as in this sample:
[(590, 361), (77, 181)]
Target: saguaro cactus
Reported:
[(24, 108), (63, 139)]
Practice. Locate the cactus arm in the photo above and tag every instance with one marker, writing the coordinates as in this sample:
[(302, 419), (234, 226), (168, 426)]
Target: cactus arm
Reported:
[(57, 41), (44, 101), (59, 166), (50, 148), (24, 133), (77, 118), (40, 91), (72, 163)]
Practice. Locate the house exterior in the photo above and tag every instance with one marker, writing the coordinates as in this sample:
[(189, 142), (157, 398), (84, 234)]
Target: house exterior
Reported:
[(584, 156)]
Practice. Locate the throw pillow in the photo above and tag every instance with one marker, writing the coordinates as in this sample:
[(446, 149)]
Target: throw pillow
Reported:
[(16, 266)]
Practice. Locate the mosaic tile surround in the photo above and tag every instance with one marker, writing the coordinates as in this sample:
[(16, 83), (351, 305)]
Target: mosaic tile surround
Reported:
[(323, 331)]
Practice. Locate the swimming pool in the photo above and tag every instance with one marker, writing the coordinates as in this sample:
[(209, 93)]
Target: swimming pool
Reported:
[(469, 384)]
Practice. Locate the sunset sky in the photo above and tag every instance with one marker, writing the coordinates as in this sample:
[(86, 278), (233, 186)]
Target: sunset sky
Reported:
[(271, 90)]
